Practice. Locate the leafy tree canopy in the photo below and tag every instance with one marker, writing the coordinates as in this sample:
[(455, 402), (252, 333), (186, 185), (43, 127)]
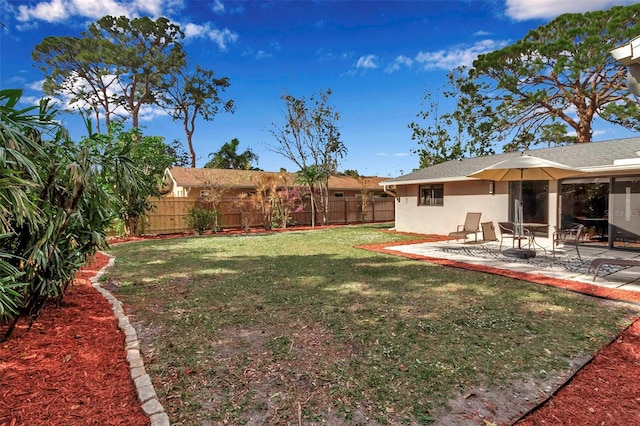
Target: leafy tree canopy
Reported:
[(442, 140), (134, 173), (554, 82), (546, 89), (117, 64), (310, 138), (350, 172), (196, 93), (228, 158)]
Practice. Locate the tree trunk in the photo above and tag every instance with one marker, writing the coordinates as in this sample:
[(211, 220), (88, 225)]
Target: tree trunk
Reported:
[(131, 226), (188, 130), (313, 209), (584, 132), (192, 152)]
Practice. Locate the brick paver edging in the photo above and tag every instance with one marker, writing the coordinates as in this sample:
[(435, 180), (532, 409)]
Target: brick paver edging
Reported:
[(144, 387)]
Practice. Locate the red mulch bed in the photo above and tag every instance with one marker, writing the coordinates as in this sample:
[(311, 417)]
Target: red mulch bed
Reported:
[(70, 368)]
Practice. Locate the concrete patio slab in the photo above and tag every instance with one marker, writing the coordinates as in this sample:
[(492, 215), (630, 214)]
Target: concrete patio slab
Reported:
[(563, 264)]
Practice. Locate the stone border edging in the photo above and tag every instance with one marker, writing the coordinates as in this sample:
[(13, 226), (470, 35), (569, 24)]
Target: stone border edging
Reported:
[(144, 387)]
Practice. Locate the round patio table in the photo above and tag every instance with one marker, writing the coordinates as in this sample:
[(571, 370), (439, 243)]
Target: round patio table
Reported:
[(533, 227)]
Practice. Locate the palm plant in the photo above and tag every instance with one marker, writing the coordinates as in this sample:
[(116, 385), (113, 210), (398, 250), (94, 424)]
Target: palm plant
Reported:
[(54, 212), (311, 176), (18, 177)]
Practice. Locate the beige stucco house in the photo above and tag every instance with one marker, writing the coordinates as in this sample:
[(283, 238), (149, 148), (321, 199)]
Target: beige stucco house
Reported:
[(604, 195)]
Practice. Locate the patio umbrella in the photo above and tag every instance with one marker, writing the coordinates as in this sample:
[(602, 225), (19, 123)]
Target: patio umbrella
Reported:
[(521, 168), (525, 167)]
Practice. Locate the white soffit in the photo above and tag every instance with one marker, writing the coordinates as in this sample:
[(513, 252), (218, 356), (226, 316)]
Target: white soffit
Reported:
[(628, 53)]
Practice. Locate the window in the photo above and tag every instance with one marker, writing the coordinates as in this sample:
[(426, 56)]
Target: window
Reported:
[(431, 195), (339, 194)]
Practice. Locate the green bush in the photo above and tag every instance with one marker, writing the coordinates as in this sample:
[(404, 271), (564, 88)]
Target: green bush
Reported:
[(53, 212), (200, 219)]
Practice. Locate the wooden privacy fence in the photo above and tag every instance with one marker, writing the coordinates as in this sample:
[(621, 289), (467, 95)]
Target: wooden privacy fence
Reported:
[(168, 214)]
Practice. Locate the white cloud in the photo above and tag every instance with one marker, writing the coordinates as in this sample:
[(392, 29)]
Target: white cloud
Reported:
[(16, 81), (36, 85), (151, 112), (262, 54), (53, 11), (367, 62), (522, 10), (60, 10), (96, 9), (155, 8), (275, 45), (457, 55), (398, 63), (481, 33), (66, 101), (326, 54), (218, 7), (221, 37), (34, 100)]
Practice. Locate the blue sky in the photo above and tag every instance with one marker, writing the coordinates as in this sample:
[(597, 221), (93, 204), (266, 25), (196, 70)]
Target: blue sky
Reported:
[(378, 58)]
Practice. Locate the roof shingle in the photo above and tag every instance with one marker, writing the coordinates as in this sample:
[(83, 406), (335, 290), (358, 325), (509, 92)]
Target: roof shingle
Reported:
[(199, 178), (578, 156)]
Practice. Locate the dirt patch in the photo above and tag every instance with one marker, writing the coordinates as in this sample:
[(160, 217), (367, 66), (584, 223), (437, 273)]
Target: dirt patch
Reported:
[(275, 376), (502, 405)]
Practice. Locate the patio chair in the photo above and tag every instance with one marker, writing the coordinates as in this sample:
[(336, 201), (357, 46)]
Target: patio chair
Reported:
[(508, 230), (471, 226), (568, 237), (488, 231)]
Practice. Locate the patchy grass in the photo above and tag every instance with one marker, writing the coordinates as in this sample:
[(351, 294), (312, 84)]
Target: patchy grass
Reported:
[(300, 327)]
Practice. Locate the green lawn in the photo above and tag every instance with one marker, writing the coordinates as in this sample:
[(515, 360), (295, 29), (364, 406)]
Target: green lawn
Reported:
[(302, 327)]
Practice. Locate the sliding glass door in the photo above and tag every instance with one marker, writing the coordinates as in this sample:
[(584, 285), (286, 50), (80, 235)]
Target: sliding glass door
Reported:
[(586, 202), (624, 214), (609, 208), (535, 200)]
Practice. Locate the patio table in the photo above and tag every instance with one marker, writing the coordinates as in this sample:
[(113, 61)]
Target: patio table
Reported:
[(533, 227)]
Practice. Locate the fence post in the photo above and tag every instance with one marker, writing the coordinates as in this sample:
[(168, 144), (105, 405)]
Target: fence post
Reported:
[(373, 210), (346, 211)]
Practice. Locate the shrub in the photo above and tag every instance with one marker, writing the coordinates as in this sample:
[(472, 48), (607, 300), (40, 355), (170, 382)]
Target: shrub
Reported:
[(53, 212), (200, 219)]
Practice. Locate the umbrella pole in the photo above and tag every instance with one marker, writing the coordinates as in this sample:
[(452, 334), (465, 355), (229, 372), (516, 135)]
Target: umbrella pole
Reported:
[(520, 210)]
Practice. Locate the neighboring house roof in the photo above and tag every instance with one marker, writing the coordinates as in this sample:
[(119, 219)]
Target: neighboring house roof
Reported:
[(587, 157), (201, 178)]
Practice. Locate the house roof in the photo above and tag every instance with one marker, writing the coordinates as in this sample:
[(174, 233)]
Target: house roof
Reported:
[(200, 178), (628, 53), (591, 157)]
